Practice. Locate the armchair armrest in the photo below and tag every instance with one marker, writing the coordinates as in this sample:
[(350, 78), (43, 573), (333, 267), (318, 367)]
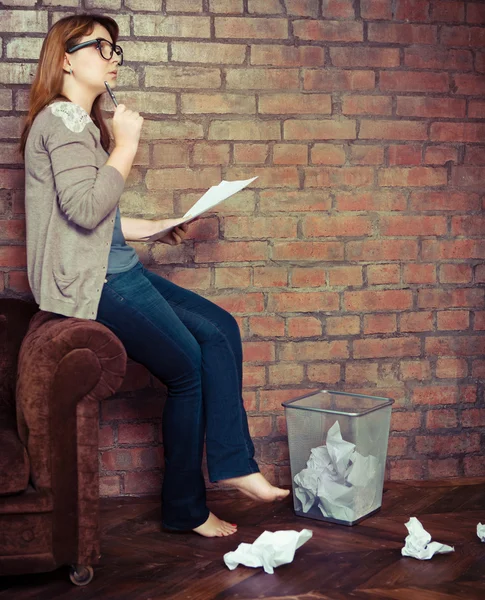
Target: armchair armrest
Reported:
[(65, 367)]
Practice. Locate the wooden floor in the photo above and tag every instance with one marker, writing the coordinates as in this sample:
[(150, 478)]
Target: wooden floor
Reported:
[(140, 562)]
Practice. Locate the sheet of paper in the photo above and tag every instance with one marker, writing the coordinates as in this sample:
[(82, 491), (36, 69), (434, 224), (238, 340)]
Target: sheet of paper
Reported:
[(481, 532), (418, 542), (271, 549), (214, 196)]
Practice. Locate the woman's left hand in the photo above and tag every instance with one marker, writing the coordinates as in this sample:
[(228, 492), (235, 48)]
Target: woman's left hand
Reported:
[(175, 236)]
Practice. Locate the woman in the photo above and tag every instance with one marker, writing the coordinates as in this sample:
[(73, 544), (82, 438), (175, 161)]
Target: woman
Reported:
[(80, 265)]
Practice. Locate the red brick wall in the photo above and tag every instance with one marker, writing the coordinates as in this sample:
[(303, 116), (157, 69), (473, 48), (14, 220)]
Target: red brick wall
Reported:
[(355, 261)]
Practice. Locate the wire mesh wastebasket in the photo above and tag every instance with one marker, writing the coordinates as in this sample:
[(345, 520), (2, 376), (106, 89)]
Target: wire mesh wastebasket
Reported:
[(338, 449)]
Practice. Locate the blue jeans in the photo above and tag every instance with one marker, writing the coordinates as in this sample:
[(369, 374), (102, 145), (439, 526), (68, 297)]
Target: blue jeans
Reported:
[(194, 347)]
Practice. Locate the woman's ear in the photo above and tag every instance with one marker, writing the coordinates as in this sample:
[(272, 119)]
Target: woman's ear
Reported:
[(67, 67)]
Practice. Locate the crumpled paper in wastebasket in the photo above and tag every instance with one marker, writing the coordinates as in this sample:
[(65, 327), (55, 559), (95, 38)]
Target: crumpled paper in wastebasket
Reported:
[(481, 532), (418, 542), (338, 478), (271, 549)]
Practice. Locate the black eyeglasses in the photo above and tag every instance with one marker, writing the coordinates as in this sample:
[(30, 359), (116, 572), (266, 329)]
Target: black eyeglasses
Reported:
[(105, 47)]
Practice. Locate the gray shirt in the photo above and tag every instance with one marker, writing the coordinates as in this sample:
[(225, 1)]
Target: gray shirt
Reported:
[(71, 197), (122, 257)]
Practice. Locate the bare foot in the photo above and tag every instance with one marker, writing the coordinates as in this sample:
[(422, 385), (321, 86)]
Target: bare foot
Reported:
[(257, 487), (214, 527)]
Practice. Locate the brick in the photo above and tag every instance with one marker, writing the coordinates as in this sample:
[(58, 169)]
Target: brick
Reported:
[(376, 9), (366, 105), (226, 6), (417, 321), (338, 81), (182, 178), (5, 100), (347, 276), (474, 417), (244, 130), (368, 301), (379, 324), (411, 106), (109, 485), (381, 274), (265, 7), (305, 277), (360, 373), (453, 273), (443, 468), (24, 48), (419, 273), (453, 249), (135, 433), (365, 57), (419, 370), (18, 282), (149, 102), (218, 104), (459, 298), (294, 201), (182, 77), (267, 276), (251, 28), (106, 4), (290, 154), (184, 6), (328, 31), (402, 33), (339, 226), (13, 256), (366, 155), (393, 130), (448, 444), (397, 446), (404, 154), (200, 52), (258, 351), (476, 109), (385, 250), (349, 325), (171, 26), (287, 56), (440, 155), (467, 225), (405, 469), (444, 200), (260, 227), (471, 85), (272, 399), (463, 36), (451, 368), (129, 459), (240, 304), (313, 351), (441, 419), (302, 301), (449, 11), (143, 482), (413, 176), (338, 176), (475, 155), (262, 79), (453, 320), (267, 326), (412, 10), (153, 52), (286, 374), (379, 200), (386, 348), (438, 58), (413, 226), (454, 346), (267, 176), (308, 251), (11, 127), (324, 373), (457, 132), (468, 177), (475, 14), (254, 375), (211, 154), (293, 103), (479, 320), (310, 129), (171, 130), (211, 252), (232, 277), (474, 466), (339, 9), (435, 395), (12, 230), (32, 21), (302, 8), (405, 421), (327, 154), (141, 5), (304, 327), (250, 153), (198, 279)]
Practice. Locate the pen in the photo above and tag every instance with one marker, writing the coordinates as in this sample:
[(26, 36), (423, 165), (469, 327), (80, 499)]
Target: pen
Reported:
[(110, 92)]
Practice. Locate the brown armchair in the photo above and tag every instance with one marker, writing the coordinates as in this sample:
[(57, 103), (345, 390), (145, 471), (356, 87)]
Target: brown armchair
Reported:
[(53, 373)]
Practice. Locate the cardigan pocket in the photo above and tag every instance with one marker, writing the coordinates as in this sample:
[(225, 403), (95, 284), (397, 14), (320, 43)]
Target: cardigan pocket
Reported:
[(67, 286)]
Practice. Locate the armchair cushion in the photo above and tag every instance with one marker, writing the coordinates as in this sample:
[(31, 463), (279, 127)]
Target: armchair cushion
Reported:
[(14, 461)]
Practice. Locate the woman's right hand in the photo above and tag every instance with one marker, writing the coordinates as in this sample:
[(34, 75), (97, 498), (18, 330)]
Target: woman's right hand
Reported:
[(126, 127)]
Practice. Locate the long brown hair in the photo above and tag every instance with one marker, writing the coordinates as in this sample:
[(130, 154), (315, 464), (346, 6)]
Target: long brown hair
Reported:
[(48, 80)]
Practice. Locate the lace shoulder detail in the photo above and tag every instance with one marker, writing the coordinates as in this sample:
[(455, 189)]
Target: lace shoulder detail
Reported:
[(74, 116)]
